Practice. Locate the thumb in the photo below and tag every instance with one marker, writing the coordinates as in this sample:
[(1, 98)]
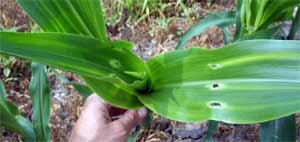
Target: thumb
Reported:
[(131, 118)]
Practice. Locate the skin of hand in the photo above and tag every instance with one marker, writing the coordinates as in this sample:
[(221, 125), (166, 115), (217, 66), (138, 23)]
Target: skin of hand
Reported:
[(95, 124)]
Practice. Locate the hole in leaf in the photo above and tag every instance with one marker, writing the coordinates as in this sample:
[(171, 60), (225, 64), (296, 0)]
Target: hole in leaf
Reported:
[(115, 63), (215, 66), (215, 105), (215, 85)]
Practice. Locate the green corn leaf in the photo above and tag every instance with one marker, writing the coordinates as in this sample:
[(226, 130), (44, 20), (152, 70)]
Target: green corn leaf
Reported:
[(69, 16), (2, 91), (280, 130), (226, 36), (39, 92), (245, 82), (10, 117), (144, 5), (115, 92), (238, 22), (258, 11), (133, 137), (220, 19), (258, 15), (83, 90), (269, 33), (108, 90), (274, 12), (93, 59), (211, 130), (145, 125), (82, 55), (55, 23), (295, 25)]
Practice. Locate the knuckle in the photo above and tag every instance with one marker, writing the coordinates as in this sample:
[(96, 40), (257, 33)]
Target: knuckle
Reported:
[(133, 116), (120, 129)]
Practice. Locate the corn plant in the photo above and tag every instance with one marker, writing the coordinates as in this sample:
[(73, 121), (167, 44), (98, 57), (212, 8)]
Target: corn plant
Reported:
[(10, 117), (248, 81)]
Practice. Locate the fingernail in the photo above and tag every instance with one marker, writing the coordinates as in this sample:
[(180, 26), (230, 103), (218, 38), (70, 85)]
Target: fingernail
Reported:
[(142, 112)]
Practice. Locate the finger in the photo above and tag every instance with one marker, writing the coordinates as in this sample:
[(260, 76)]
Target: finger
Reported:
[(95, 107), (131, 119), (93, 118), (97, 101)]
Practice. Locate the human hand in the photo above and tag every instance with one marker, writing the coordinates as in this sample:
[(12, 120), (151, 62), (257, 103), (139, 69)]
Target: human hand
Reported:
[(95, 124)]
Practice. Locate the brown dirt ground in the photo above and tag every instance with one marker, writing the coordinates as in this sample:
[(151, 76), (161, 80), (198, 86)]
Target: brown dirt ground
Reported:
[(150, 40)]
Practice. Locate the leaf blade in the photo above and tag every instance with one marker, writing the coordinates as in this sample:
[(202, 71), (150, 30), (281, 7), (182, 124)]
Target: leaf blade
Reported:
[(39, 92), (115, 92), (220, 19), (10, 118), (228, 81), (282, 129), (211, 130), (75, 53), (68, 16)]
